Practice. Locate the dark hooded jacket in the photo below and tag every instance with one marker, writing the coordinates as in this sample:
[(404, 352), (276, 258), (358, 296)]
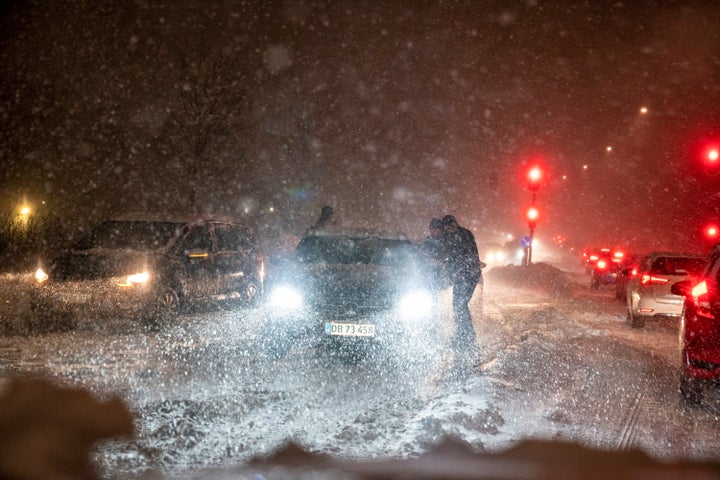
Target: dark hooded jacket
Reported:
[(463, 259)]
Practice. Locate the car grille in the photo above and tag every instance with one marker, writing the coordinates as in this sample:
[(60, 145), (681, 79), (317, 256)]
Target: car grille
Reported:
[(349, 310)]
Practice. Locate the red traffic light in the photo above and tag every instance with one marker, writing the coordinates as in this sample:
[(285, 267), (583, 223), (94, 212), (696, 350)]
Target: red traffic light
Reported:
[(712, 232), (534, 176), (712, 155), (710, 158), (532, 216)]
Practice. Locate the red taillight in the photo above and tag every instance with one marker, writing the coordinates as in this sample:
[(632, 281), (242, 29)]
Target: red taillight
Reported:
[(653, 280), (602, 264), (633, 272), (699, 289), (700, 297)]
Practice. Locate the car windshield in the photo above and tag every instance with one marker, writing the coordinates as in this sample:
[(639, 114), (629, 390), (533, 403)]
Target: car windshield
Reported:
[(677, 266), (354, 250), (130, 235)]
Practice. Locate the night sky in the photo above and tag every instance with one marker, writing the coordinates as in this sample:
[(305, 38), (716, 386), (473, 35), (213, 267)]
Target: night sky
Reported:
[(391, 111)]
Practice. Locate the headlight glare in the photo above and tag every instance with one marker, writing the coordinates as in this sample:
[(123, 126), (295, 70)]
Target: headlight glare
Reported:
[(416, 304), (40, 275), (135, 278), (138, 278), (285, 298)]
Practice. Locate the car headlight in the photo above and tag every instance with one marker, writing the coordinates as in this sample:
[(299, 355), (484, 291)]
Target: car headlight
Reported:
[(285, 298), (416, 304), (40, 275), (135, 278)]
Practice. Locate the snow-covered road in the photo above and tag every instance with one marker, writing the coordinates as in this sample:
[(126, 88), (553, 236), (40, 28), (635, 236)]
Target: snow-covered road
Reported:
[(558, 361)]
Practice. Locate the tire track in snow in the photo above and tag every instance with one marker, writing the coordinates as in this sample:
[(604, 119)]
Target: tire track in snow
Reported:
[(629, 431)]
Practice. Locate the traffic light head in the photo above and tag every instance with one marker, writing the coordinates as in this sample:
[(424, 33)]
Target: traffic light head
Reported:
[(712, 232), (534, 177), (711, 158), (532, 216), (712, 155)]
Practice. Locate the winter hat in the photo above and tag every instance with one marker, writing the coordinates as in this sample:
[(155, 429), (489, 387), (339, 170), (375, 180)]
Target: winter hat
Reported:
[(449, 220)]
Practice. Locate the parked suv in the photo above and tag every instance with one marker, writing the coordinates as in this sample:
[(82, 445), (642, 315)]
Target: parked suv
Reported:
[(649, 293), (700, 330), (151, 269)]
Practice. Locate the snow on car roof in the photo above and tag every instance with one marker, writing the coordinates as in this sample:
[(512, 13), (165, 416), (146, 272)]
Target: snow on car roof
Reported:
[(173, 218)]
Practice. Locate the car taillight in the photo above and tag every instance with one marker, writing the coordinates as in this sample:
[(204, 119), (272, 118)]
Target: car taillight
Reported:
[(647, 279), (701, 300), (602, 264)]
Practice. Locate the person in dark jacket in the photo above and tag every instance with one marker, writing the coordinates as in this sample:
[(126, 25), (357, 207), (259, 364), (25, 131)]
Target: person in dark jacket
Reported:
[(465, 270)]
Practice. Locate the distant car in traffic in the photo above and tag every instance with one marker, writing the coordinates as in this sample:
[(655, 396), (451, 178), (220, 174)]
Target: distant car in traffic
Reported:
[(648, 293), (494, 254), (603, 264), (603, 270), (699, 336), (151, 268), (348, 289)]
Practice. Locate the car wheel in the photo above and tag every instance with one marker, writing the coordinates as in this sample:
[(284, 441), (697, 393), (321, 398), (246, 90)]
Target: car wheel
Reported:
[(690, 390), (635, 321), (252, 294), (166, 307)]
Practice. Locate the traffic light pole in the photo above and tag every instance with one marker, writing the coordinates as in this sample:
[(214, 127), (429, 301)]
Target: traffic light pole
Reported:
[(534, 177), (532, 233)]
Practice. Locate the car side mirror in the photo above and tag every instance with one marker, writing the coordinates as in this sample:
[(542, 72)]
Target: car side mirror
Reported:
[(681, 288)]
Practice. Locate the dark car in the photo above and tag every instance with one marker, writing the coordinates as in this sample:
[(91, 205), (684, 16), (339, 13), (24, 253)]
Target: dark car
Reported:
[(627, 269), (349, 288), (152, 268), (604, 267), (700, 330)]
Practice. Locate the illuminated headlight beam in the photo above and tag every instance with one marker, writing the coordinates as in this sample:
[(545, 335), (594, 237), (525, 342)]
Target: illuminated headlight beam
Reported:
[(416, 304), (285, 298), (135, 278), (40, 275)]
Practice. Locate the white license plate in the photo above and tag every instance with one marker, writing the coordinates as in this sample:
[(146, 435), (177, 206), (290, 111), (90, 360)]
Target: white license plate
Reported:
[(350, 329)]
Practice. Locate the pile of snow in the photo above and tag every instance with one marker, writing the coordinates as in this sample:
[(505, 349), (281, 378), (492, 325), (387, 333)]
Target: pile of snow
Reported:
[(539, 277)]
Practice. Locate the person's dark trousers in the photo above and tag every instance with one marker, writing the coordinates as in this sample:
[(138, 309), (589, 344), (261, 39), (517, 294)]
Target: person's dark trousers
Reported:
[(462, 292)]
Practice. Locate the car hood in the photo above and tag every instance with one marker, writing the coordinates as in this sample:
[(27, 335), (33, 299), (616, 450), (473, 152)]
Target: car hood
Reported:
[(100, 263)]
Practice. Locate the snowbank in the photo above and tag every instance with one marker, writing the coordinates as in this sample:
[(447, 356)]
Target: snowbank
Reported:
[(539, 277)]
